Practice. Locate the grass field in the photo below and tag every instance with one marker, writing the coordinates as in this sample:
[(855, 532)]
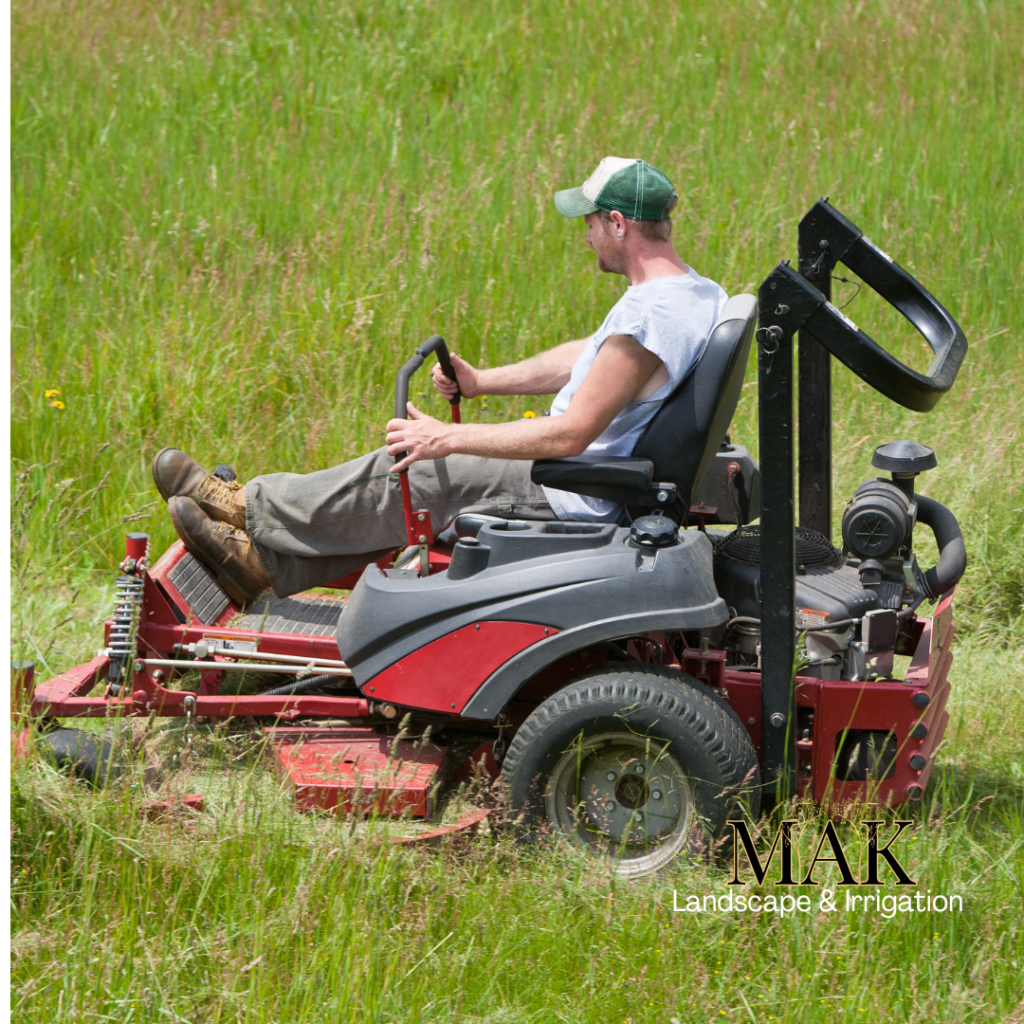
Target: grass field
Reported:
[(231, 222)]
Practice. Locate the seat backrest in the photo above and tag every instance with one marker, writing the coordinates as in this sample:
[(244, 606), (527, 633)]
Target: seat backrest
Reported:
[(682, 438)]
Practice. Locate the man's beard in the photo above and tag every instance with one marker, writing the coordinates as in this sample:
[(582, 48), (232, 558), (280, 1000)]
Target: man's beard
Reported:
[(611, 266)]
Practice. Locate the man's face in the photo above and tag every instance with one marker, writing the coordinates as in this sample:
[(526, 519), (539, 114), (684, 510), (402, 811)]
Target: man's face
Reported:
[(601, 238)]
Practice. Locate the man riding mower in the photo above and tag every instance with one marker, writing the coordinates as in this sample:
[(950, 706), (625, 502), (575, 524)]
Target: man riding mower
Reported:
[(630, 679), (308, 529)]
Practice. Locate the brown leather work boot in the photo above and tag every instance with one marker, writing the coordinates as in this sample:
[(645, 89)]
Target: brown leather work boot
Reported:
[(175, 474), (221, 499), (226, 550)]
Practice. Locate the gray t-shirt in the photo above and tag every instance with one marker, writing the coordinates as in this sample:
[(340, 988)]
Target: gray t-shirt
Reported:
[(671, 317)]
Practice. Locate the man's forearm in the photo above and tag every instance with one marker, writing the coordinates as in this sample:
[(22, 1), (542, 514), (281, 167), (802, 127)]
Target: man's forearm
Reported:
[(542, 374), (549, 437), (616, 377)]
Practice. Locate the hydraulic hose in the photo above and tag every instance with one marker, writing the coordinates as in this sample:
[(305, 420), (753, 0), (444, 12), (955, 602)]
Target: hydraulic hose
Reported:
[(302, 686), (952, 563)]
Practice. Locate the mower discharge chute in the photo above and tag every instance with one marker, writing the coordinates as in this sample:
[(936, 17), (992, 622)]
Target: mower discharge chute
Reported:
[(633, 686)]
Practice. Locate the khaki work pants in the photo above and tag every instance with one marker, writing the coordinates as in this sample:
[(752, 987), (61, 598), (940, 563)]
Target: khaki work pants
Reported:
[(309, 529)]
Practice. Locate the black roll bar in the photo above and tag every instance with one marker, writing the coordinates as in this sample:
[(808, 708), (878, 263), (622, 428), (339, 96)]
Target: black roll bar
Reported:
[(807, 309), (788, 302)]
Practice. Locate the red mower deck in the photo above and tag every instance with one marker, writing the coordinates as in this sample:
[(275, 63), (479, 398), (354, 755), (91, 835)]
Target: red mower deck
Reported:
[(354, 770)]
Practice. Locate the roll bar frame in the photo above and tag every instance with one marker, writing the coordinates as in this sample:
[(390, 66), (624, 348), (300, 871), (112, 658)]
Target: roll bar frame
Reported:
[(789, 302)]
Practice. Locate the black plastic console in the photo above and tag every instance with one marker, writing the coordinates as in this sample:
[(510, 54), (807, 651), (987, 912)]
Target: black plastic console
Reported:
[(585, 580)]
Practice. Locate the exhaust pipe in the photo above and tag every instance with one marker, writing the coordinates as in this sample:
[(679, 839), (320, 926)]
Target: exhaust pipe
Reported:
[(952, 563)]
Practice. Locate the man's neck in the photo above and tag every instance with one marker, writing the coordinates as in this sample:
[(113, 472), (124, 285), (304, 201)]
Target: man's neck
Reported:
[(651, 260)]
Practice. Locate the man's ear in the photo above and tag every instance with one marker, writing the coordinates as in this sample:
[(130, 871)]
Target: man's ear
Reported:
[(617, 224)]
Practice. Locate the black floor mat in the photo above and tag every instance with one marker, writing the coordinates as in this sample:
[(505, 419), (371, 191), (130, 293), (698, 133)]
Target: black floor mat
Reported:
[(308, 617)]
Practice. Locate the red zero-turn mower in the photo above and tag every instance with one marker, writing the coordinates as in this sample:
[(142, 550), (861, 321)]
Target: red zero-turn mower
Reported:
[(633, 686)]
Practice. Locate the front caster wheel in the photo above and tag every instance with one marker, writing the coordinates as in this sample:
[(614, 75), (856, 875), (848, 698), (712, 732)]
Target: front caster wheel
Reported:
[(637, 765), (85, 755)]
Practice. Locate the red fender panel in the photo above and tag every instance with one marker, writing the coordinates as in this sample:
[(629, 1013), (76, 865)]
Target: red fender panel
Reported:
[(444, 674)]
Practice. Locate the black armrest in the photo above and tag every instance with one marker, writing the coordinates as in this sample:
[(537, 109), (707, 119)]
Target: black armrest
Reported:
[(612, 477)]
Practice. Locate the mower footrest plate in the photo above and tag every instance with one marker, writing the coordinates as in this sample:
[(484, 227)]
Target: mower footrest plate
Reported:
[(198, 585), (304, 616), (352, 770)]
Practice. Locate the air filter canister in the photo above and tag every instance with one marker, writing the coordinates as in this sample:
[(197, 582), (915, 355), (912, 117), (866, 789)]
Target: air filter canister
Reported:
[(878, 521)]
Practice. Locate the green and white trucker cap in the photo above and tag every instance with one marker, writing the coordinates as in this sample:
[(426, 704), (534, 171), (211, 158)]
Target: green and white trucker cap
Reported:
[(634, 188)]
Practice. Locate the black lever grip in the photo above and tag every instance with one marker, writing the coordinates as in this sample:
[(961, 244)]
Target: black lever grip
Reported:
[(790, 301), (435, 343)]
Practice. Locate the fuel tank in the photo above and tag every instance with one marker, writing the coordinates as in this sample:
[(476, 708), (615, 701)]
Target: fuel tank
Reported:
[(585, 582)]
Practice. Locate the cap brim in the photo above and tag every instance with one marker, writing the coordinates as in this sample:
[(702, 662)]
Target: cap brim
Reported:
[(571, 202)]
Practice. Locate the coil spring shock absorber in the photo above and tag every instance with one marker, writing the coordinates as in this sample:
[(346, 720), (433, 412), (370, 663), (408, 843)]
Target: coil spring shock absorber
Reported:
[(127, 608)]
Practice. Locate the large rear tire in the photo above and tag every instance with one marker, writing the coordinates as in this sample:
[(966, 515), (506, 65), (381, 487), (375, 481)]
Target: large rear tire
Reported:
[(638, 765)]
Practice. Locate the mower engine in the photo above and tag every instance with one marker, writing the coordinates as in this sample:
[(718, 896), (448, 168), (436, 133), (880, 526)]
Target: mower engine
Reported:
[(855, 607)]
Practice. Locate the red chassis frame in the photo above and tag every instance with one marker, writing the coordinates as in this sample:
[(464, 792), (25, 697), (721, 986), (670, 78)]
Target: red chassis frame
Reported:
[(399, 777)]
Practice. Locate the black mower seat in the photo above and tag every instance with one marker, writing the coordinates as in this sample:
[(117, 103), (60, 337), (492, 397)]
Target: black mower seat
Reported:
[(676, 450)]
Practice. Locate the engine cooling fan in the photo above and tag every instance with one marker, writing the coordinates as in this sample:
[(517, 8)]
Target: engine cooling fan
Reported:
[(812, 549)]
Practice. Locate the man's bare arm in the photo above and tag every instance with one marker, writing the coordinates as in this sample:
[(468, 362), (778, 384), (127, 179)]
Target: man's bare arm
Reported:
[(542, 374), (621, 372)]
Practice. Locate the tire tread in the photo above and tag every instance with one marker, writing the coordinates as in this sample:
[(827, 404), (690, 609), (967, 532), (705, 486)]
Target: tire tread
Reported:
[(701, 711)]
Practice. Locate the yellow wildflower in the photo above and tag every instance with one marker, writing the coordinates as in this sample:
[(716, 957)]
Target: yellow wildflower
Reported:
[(529, 415), (52, 393), (56, 403)]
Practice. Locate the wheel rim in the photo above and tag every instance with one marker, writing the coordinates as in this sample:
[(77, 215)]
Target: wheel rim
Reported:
[(623, 796)]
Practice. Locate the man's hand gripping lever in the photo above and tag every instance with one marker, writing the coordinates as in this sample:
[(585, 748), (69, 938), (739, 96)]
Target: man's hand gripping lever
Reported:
[(417, 523), (459, 378)]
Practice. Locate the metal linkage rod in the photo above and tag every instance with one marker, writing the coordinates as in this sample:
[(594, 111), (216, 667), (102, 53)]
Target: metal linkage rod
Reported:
[(292, 658), (313, 668)]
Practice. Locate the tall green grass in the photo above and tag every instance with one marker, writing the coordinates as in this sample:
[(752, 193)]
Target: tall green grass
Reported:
[(231, 222), (250, 912)]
